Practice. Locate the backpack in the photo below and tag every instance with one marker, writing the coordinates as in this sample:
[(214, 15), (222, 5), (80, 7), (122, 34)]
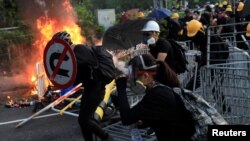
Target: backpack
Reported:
[(202, 112), (179, 63), (105, 65)]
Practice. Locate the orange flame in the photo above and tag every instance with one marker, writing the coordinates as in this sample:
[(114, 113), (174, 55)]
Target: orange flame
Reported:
[(33, 78), (48, 26), (10, 100)]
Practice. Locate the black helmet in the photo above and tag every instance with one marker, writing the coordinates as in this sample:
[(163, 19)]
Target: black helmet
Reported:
[(143, 62), (64, 36)]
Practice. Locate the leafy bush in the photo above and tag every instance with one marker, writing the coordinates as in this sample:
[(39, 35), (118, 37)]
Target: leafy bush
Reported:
[(87, 18)]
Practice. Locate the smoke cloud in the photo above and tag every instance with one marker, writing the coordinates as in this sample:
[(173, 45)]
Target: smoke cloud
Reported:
[(24, 57), (120, 65), (31, 10)]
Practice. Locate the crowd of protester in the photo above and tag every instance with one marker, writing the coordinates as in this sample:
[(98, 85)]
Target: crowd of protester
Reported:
[(160, 109)]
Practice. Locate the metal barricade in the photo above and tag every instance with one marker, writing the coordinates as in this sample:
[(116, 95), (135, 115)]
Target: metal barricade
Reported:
[(121, 133), (192, 67), (227, 87), (134, 99), (236, 40), (237, 55), (188, 45)]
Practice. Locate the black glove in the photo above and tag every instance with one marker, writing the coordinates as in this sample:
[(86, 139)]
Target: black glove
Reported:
[(121, 83)]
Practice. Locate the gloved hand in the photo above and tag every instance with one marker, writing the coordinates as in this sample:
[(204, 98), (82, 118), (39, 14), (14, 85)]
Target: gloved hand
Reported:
[(121, 82)]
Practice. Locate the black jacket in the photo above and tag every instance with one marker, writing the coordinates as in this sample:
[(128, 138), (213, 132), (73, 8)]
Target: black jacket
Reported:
[(161, 110), (84, 58)]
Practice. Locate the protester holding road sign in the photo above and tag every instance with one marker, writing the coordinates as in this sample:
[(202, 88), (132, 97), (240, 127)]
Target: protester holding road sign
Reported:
[(94, 88), (60, 63)]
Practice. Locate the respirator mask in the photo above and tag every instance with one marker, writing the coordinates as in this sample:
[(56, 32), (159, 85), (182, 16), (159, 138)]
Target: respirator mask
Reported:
[(148, 39)]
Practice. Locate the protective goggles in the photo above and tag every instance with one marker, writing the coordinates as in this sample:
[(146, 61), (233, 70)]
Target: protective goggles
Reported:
[(132, 72), (144, 67)]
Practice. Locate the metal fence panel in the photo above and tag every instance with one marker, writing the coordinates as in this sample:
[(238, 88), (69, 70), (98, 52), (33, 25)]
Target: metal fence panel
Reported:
[(121, 133), (227, 88)]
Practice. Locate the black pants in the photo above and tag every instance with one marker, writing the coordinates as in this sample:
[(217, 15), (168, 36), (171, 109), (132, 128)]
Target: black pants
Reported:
[(90, 100)]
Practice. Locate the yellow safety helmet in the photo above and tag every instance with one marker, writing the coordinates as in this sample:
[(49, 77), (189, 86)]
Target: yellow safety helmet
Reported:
[(220, 5), (240, 6), (216, 4), (224, 3), (229, 9), (140, 15), (193, 27), (248, 30), (229, 6), (175, 16)]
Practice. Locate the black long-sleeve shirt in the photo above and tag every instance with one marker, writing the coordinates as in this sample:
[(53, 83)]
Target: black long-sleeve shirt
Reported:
[(161, 110)]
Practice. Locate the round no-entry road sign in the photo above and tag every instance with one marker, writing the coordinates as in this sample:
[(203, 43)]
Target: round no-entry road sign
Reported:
[(60, 63)]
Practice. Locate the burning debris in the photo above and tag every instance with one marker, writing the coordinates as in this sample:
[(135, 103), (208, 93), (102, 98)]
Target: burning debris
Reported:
[(18, 104), (48, 20), (45, 20)]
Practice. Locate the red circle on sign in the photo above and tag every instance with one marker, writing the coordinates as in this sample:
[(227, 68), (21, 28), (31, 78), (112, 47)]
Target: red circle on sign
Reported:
[(73, 61)]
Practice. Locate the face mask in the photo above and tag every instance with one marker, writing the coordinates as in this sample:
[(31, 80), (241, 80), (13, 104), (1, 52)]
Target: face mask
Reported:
[(195, 17), (151, 41)]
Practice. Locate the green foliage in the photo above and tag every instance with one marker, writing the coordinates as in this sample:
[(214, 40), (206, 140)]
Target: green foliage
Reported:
[(163, 26), (8, 13), (87, 18), (121, 5), (17, 36), (10, 40)]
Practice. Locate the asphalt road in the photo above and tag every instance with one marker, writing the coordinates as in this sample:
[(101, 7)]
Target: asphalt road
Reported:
[(53, 128)]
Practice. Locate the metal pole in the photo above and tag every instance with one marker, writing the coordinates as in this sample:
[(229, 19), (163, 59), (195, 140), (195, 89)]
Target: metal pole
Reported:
[(161, 3), (70, 105), (208, 45), (155, 4), (60, 99)]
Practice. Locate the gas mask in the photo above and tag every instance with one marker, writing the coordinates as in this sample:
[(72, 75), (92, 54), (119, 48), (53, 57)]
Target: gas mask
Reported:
[(149, 40)]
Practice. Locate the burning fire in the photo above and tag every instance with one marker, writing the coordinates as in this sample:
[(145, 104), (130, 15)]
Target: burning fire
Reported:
[(48, 26), (33, 79), (10, 100)]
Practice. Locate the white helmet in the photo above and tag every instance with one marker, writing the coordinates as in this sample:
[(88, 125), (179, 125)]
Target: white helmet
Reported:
[(151, 26)]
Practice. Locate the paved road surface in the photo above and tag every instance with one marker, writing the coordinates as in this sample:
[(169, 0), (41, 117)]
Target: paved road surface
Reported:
[(55, 128)]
